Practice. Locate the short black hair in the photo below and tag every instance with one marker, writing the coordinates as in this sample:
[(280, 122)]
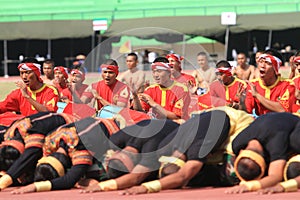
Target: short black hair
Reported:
[(248, 171), (111, 62), (134, 55), (293, 170), (45, 171), (49, 61), (8, 155), (30, 60), (161, 59), (223, 63)]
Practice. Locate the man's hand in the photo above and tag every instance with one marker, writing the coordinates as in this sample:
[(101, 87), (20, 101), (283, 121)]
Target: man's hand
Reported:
[(272, 190), (135, 190), (96, 95), (237, 189), (26, 189), (146, 98), (23, 88), (91, 188), (253, 89)]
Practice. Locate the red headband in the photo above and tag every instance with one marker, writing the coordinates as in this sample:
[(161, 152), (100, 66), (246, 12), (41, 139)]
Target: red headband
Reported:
[(63, 70), (161, 65), (276, 62), (224, 70), (76, 71), (297, 59), (113, 68), (36, 68), (176, 57), (15, 144)]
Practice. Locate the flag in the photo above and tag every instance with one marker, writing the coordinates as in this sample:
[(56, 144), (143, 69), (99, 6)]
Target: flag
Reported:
[(126, 47)]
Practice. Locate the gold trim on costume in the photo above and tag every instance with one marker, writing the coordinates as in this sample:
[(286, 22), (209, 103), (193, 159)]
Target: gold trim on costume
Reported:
[(253, 156), (295, 158), (43, 186), (290, 185), (152, 186), (5, 181), (109, 185), (54, 162), (169, 160), (251, 185)]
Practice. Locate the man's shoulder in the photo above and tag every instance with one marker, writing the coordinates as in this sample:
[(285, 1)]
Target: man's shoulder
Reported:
[(180, 86), (120, 84)]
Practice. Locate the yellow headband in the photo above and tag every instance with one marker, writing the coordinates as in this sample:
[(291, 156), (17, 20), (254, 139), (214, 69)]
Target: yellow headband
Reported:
[(295, 158), (169, 160), (54, 162), (253, 156)]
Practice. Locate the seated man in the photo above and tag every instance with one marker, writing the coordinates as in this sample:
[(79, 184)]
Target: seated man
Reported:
[(262, 147), (270, 92), (176, 71), (193, 143), (75, 88), (108, 91), (32, 95), (60, 80), (70, 96), (166, 98), (231, 87)]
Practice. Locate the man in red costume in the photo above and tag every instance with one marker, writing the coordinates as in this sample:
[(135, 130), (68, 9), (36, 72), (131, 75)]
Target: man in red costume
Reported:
[(109, 90), (270, 93), (32, 95), (167, 98)]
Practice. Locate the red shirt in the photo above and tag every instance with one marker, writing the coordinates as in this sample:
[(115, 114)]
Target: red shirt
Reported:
[(15, 101), (296, 106), (226, 94), (232, 89), (175, 98), (67, 93), (58, 87), (296, 80), (205, 101), (186, 79), (282, 91), (117, 92)]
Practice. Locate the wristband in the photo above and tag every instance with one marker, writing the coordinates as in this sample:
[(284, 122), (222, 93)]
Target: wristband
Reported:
[(42, 186), (290, 185), (108, 185), (251, 185), (152, 186), (5, 181)]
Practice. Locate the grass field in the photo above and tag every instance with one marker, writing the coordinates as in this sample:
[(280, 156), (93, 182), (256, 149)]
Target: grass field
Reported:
[(6, 88)]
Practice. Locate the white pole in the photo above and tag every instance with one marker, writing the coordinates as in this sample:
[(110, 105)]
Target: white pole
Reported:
[(226, 41), (5, 58), (183, 51), (49, 49), (270, 39)]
